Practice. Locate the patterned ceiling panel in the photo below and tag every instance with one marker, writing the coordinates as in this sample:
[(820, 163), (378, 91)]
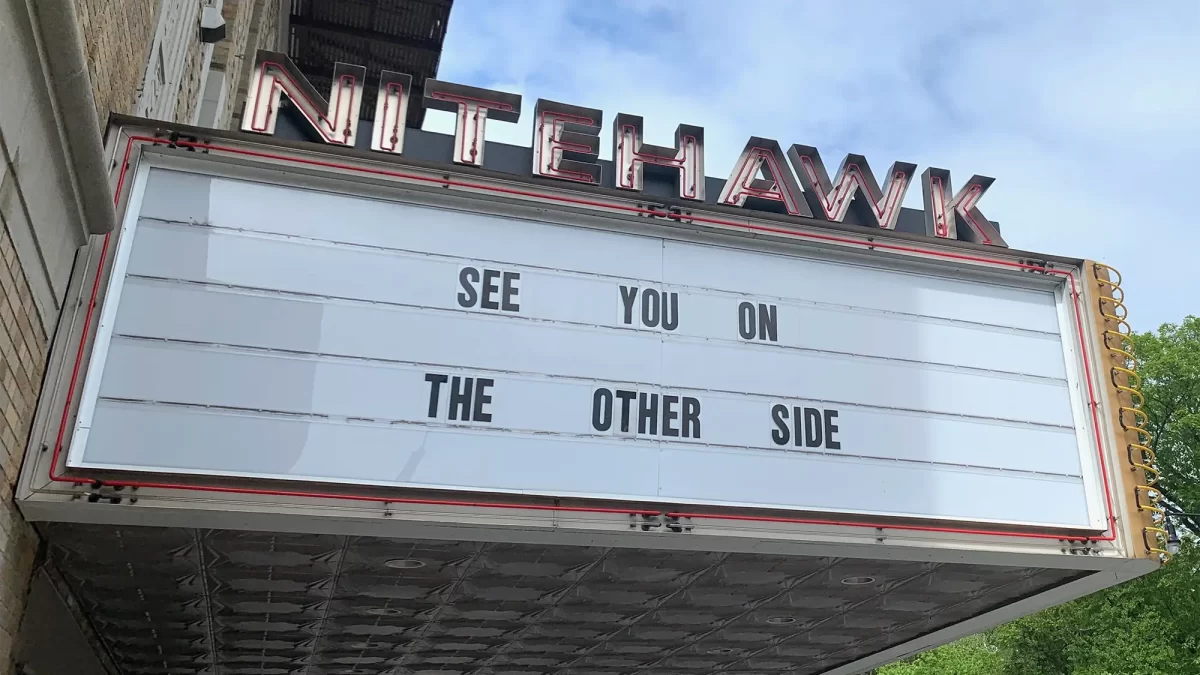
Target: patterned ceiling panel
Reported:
[(217, 602)]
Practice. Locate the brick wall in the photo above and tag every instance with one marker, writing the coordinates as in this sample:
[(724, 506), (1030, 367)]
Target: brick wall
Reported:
[(192, 82), (18, 548), (36, 242), (117, 35), (263, 34), (268, 26), (231, 52), (23, 346)]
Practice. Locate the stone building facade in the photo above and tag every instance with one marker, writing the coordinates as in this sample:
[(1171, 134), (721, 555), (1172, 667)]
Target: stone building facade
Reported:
[(144, 57)]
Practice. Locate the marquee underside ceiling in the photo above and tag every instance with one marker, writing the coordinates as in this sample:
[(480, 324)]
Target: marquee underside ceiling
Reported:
[(175, 601)]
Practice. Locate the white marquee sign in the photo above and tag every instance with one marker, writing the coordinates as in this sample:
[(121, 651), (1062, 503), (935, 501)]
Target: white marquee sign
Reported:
[(256, 330)]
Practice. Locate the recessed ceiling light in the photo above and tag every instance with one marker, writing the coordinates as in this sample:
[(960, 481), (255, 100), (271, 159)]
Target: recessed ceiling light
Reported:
[(781, 620), (858, 581), (384, 611), (404, 564)]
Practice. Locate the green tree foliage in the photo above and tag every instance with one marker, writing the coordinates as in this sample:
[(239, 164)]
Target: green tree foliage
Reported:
[(1148, 626), (974, 655), (1169, 363)]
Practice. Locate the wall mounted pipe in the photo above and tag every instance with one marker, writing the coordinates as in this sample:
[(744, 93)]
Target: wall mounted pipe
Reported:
[(59, 42)]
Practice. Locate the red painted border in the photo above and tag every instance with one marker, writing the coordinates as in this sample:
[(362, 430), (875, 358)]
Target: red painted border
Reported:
[(448, 182)]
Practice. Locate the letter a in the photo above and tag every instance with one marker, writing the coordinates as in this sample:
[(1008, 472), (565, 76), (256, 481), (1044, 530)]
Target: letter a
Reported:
[(763, 156)]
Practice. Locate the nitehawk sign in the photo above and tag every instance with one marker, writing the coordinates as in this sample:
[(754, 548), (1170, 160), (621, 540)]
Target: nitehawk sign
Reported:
[(566, 145)]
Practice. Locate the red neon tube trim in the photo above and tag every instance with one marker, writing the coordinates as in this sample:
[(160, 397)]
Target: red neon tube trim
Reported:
[(447, 182)]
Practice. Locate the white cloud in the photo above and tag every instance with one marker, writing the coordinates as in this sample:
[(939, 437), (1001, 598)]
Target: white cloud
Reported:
[(1086, 113)]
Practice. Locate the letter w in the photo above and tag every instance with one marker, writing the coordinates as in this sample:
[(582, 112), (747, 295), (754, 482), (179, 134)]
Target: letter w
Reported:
[(831, 200)]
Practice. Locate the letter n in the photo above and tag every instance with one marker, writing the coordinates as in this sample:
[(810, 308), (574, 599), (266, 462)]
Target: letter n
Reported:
[(335, 121)]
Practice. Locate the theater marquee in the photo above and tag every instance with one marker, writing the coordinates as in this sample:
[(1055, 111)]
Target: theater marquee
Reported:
[(265, 331), (370, 369)]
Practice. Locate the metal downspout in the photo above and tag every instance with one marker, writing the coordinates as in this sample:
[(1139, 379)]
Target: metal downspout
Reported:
[(60, 48)]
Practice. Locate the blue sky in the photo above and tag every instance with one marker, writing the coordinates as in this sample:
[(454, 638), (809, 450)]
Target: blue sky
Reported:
[(1087, 113)]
